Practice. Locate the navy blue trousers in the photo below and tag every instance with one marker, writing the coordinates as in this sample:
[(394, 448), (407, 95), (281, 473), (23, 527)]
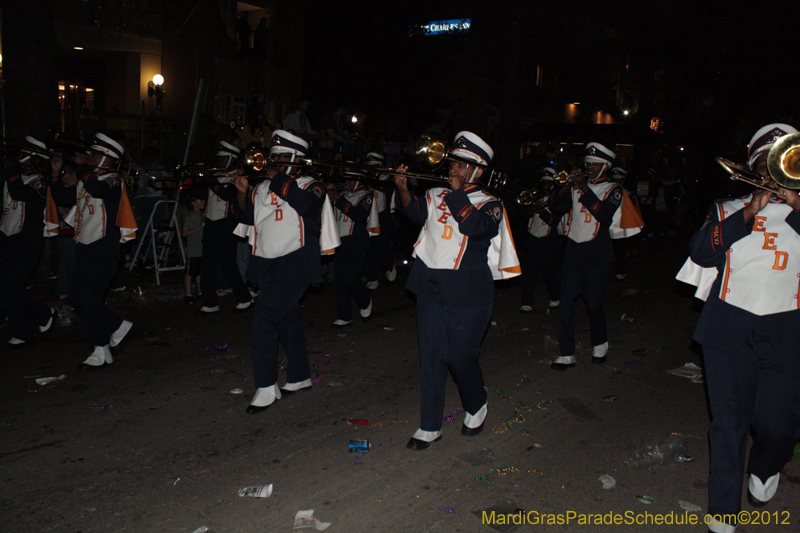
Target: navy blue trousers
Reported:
[(541, 253), (21, 254), (590, 280), (348, 263), (380, 258), (277, 318), (753, 389), (449, 339), (219, 252), (95, 267)]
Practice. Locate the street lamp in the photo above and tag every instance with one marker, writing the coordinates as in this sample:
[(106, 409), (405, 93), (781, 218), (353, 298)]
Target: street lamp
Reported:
[(154, 88)]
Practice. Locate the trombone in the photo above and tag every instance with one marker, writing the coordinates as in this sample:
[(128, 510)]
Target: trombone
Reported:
[(539, 196), (783, 164), (430, 153)]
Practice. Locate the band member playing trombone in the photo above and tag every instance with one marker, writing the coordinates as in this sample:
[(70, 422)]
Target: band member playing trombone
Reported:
[(587, 261), (357, 221), (289, 221), (219, 243), (463, 245), (102, 218), (21, 238), (750, 333), (380, 258), (541, 249)]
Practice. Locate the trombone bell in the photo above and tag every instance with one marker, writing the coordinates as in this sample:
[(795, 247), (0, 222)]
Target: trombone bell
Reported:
[(783, 161), (430, 151)]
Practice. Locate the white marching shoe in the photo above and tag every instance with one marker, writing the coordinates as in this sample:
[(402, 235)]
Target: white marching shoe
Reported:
[(120, 337), (758, 493), (365, 313), (291, 388), (265, 396), (421, 439), (473, 424), (101, 356), (599, 353)]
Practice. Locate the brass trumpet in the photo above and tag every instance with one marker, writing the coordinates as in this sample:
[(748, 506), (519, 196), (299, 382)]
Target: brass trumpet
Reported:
[(531, 199), (539, 196), (783, 164)]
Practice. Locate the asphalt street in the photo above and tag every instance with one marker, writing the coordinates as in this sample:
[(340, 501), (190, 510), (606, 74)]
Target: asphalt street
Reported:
[(159, 441)]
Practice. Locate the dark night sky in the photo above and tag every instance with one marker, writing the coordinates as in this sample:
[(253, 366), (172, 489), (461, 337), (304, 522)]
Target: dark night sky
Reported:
[(358, 54)]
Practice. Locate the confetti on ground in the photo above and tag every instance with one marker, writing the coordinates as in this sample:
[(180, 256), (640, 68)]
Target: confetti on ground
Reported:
[(686, 506), (449, 417), (220, 347), (379, 425)]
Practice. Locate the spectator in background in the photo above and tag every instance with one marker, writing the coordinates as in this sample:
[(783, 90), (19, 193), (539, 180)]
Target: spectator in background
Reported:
[(334, 125), (297, 122), (243, 35), (193, 232), (261, 41)]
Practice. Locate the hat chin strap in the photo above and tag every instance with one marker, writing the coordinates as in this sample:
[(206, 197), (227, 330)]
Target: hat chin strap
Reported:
[(102, 164), (471, 170), (606, 166)]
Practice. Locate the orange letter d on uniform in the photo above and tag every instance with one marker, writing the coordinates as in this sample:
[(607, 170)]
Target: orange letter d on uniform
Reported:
[(781, 259)]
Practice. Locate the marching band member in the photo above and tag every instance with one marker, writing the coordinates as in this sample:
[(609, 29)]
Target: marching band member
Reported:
[(464, 244), (627, 221), (380, 257), (541, 250), (357, 221), (587, 261), (219, 242), (750, 332), (289, 221), (102, 218), (21, 238)]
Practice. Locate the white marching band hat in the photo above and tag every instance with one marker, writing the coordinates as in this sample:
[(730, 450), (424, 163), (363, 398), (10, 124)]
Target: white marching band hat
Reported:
[(763, 140), (38, 149), (228, 150), (597, 153), (353, 172), (374, 159), (618, 173), (548, 174), (106, 145), (284, 142), (469, 148)]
